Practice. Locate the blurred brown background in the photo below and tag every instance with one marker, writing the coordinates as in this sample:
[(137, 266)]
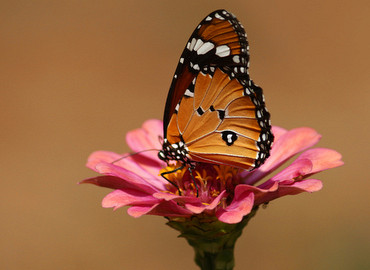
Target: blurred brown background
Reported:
[(75, 76)]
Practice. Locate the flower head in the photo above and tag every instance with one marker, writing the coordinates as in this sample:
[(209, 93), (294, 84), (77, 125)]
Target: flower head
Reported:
[(214, 190)]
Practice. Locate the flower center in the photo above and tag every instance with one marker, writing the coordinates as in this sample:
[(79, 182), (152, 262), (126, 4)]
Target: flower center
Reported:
[(209, 180)]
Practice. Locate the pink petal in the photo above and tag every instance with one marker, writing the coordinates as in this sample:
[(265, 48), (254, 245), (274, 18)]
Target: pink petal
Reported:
[(192, 203), (261, 192), (177, 198), (166, 196), (138, 211), (287, 145), (268, 186), (307, 185), (297, 168), (167, 209), (308, 163), (145, 138), (129, 178), (143, 167), (154, 128), (99, 156), (146, 168), (120, 198), (278, 132), (107, 181), (199, 207), (322, 159), (241, 205)]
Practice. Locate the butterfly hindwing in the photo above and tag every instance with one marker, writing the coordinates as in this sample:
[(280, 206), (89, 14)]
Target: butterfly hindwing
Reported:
[(218, 123)]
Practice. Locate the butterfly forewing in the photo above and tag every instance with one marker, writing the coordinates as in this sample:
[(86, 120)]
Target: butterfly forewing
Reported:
[(213, 107), (219, 40)]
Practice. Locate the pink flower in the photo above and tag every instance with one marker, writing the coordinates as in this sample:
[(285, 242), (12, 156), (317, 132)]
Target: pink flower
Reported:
[(225, 192)]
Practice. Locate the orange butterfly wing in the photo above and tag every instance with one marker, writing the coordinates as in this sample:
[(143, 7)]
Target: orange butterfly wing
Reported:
[(219, 123), (213, 107)]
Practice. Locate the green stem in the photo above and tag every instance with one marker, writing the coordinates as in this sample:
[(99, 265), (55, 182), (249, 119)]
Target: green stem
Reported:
[(213, 241)]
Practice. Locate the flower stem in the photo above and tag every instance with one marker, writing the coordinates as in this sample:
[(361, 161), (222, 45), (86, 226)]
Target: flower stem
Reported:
[(213, 241)]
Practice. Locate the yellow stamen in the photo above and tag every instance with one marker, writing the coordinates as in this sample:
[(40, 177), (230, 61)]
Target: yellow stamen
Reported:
[(224, 173), (215, 193), (203, 179)]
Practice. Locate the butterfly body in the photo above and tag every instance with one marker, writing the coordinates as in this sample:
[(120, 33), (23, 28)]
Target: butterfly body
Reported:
[(214, 112)]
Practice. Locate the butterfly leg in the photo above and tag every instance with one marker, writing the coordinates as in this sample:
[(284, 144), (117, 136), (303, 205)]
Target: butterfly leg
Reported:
[(171, 182), (193, 179)]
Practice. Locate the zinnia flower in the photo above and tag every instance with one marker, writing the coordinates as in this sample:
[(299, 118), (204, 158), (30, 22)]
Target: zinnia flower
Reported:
[(212, 208), (224, 192)]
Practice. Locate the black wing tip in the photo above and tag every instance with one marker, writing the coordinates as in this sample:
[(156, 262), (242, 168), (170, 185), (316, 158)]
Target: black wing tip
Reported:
[(221, 12)]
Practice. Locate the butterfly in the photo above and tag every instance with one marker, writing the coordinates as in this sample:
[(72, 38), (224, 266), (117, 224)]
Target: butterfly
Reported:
[(214, 112)]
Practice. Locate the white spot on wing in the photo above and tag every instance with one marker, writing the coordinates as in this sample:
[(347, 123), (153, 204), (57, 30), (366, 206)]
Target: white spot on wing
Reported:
[(208, 18), (236, 59), (188, 93), (198, 44), (192, 44), (181, 60), (222, 51), (206, 47), (219, 17), (230, 138)]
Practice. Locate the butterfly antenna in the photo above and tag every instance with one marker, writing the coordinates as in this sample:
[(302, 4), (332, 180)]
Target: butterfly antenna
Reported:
[(133, 154), (160, 139)]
